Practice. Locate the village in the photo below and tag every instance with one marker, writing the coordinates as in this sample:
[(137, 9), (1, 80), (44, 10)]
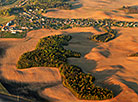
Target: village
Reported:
[(84, 50), (31, 20), (21, 3)]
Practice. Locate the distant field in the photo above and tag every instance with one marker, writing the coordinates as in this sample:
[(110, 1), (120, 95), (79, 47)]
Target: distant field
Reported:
[(7, 2), (6, 19), (10, 35)]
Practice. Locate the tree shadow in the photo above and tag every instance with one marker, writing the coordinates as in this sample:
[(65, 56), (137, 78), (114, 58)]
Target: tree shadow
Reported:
[(51, 10), (98, 29), (129, 16), (118, 66), (115, 11), (3, 50), (79, 43), (134, 6), (28, 90), (102, 79), (76, 6), (4, 99), (105, 53), (108, 13), (116, 89), (130, 84), (105, 2), (82, 44), (118, 34), (105, 74)]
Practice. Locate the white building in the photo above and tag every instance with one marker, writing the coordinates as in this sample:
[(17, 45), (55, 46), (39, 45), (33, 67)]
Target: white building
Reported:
[(13, 32)]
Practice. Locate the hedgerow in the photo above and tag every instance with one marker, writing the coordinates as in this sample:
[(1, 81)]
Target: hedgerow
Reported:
[(50, 52), (134, 55), (109, 35), (81, 84)]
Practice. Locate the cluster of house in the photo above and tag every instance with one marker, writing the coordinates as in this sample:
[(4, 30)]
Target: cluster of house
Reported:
[(29, 20), (21, 3), (15, 25), (126, 24), (8, 27), (56, 22)]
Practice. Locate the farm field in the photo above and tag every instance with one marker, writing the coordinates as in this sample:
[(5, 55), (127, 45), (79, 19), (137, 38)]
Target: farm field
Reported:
[(109, 62), (6, 19), (96, 62), (7, 2)]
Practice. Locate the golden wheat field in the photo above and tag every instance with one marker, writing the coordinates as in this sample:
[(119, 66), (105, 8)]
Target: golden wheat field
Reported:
[(108, 62)]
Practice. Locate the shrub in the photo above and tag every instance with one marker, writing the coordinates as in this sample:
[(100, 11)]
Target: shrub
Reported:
[(49, 52), (134, 55)]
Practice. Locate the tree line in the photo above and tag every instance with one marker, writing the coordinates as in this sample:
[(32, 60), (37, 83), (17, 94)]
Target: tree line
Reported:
[(50, 52), (6, 2), (109, 35)]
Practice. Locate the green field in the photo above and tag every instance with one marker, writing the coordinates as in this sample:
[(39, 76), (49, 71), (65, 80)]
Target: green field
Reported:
[(6, 19), (7, 2), (10, 35)]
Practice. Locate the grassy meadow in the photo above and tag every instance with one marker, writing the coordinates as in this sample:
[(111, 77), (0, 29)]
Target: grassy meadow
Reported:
[(6, 19)]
